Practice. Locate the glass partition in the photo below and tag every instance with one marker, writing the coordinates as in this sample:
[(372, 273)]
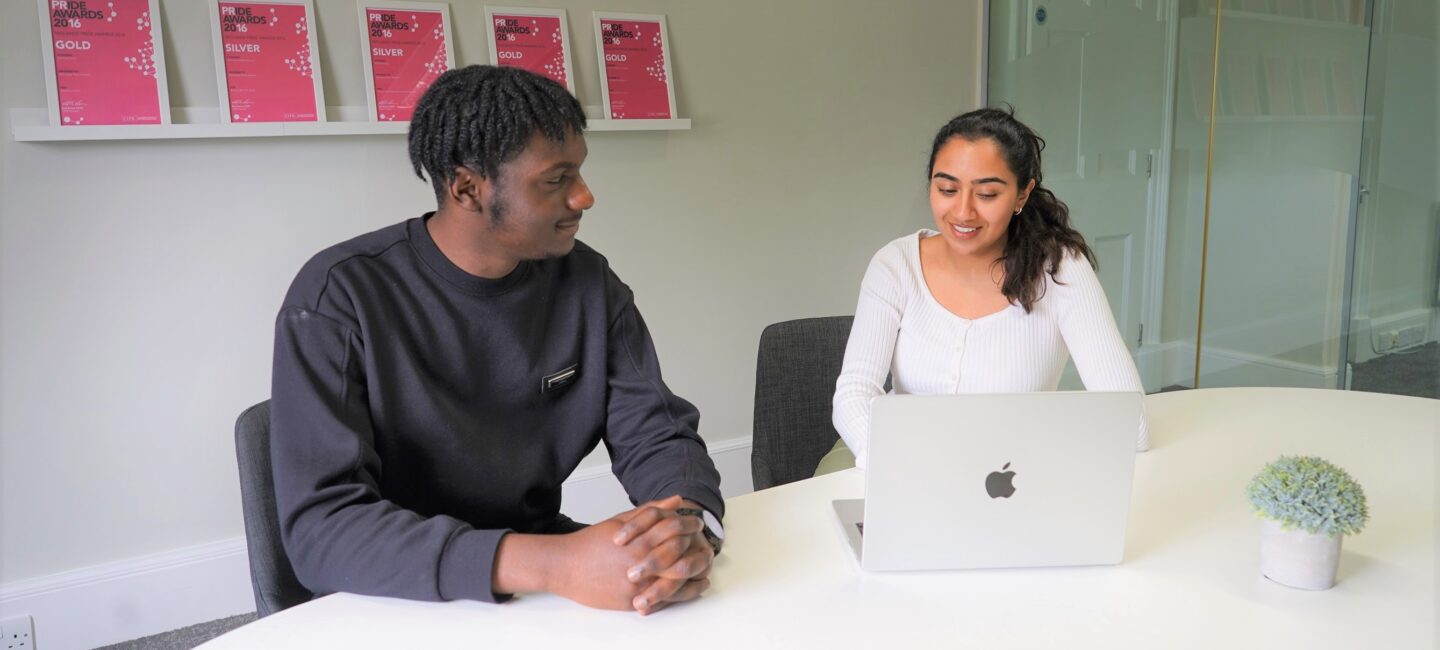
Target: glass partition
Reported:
[(1089, 78), (1284, 176), (1283, 230), (1396, 287)]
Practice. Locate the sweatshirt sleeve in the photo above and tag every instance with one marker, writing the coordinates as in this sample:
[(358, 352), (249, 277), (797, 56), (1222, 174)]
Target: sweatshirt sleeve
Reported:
[(651, 435), (338, 530), (870, 350), (1088, 328)]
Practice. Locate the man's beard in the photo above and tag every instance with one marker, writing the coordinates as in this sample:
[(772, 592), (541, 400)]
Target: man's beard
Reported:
[(497, 211)]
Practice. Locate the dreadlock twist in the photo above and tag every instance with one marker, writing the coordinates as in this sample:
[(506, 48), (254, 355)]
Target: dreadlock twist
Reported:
[(481, 116)]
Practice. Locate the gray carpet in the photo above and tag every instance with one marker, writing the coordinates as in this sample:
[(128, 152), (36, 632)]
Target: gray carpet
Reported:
[(1413, 372), (185, 637)]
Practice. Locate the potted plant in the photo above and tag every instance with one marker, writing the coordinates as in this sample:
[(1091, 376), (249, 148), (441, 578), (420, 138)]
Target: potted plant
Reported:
[(1309, 505)]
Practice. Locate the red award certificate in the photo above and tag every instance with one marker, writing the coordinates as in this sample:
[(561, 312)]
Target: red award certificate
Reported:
[(535, 40), (406, 48), (635, 67), (105, 62), (269, 68)]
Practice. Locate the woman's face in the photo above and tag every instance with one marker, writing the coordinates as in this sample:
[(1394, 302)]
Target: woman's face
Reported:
[(973, 195)]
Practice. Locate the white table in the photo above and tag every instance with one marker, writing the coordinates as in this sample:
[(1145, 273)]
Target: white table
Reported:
[(1190, 578)]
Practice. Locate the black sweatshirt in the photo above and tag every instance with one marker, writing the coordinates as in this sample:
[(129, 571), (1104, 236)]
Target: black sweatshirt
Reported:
[(419, 413)]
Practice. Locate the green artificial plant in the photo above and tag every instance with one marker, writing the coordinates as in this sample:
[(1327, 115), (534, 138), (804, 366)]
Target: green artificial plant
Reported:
[(1310, 494)]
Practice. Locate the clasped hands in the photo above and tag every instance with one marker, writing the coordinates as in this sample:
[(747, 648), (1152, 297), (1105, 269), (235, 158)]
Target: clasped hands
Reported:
[(642, 559)]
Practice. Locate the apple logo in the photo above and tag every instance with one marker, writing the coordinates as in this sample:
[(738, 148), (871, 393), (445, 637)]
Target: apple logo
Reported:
[(998, 484)]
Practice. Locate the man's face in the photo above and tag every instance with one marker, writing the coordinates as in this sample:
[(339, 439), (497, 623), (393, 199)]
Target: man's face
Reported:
[(537, 199)]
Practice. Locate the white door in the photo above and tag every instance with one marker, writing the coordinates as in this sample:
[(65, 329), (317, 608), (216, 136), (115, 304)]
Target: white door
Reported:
[(1090, 78)]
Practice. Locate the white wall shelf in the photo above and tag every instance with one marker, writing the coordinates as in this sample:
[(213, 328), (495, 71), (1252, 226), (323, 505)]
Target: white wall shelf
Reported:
[(32, 125)]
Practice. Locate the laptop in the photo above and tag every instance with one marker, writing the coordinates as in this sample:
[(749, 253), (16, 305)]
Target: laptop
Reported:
[(995, 480)]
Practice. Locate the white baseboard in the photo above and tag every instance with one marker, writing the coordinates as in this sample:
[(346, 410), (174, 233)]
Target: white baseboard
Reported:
[(1174, 364), (119, 601), (1365, 334), (1152, 362), (594, 494), (137, 597), (1223, 367)]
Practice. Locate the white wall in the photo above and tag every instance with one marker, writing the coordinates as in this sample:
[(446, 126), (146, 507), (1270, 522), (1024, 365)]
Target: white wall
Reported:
[(139, 280)]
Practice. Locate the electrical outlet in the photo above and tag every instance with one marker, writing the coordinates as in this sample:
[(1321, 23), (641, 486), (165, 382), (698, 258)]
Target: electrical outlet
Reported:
[(1413, 335), (19, 633)]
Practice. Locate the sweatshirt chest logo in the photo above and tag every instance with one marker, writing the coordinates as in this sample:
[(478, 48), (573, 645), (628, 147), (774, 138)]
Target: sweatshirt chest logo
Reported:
[(553, 382)]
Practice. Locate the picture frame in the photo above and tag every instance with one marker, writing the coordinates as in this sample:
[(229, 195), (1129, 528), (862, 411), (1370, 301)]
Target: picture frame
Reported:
[(1200, 69), (1288, 8), (405, 46), (1279, 91), (1348, 88), (538, 41), (97, 75), (636, 77), (1314, 96), (1243, 84), (1255, 6), (267, 62), (1353, 11)]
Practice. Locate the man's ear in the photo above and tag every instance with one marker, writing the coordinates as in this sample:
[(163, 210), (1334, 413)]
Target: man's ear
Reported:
[(469, 190)]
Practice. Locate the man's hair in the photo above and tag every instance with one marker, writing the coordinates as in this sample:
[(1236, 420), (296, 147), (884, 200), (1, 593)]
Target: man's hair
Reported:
[(481, 116)]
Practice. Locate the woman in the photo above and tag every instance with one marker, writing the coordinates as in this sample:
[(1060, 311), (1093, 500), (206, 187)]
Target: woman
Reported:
[(992, 301)]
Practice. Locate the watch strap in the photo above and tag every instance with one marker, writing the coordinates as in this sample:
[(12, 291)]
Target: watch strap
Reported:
[(710, 536)]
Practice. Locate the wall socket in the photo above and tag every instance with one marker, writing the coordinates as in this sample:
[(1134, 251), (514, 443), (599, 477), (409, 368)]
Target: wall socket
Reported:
[(1413, 335), (19, 633), (1401, 338)]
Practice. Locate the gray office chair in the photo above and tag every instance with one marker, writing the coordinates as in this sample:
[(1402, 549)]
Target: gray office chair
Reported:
[(794, 385), (276, 586)]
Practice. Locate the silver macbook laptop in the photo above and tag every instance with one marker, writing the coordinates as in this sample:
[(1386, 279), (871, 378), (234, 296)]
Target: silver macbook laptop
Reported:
[(995, 480)]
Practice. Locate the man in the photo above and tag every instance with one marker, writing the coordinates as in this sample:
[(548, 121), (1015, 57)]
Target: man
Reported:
[(436, 381)]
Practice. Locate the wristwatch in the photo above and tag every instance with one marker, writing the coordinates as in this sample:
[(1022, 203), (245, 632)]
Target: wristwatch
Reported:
[(713, 531)]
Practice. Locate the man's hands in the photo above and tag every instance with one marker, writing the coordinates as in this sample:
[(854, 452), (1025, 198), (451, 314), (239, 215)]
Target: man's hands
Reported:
[(643, 559), (678, 562)]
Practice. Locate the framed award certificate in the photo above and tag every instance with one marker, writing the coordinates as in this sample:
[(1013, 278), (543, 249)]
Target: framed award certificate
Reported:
[(635, 77), (407, 46), (266, 61), (537, 40), (104, 62)]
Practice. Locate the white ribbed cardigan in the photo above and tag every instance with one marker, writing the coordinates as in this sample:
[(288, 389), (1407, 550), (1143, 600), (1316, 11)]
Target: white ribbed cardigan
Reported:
[(901, 329)]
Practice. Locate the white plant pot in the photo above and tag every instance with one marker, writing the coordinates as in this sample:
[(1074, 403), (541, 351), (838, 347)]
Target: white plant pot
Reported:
[(1295, 558)]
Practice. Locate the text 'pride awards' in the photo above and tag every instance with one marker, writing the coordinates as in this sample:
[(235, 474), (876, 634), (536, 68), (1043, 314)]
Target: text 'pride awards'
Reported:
[(407, 53), (269, 72), (104, 62), (635, 69), (533, 43)]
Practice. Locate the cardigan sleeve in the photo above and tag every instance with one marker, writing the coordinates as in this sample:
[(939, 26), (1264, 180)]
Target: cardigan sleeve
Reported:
[(870, 350), (1088, 328)]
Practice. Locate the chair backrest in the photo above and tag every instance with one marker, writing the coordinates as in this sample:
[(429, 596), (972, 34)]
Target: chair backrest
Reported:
[(795, 377), (276, 586)]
